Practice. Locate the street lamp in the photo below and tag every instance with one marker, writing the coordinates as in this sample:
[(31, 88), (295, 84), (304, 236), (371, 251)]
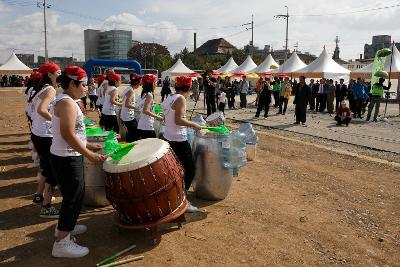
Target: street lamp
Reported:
[(287, 27)]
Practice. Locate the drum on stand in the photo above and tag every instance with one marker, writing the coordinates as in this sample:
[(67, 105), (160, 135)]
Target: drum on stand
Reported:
[(146, 186)]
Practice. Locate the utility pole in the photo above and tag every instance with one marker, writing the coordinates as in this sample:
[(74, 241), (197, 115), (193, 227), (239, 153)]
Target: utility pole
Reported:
[(287, 28), (45, 6), (252, 33)]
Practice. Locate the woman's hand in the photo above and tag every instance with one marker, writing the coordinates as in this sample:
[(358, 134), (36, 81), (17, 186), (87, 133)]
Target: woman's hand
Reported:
[(96, 158), (94, 146), (159, 118)]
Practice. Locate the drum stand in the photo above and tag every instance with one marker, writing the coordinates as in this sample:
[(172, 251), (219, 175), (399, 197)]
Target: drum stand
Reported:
[(177, 217)]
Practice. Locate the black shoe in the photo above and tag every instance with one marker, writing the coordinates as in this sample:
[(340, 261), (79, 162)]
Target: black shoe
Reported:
[(266, 116), (283, 113), (347, 124), (37, 199), (297, 122), (279, 113), (256, 116)]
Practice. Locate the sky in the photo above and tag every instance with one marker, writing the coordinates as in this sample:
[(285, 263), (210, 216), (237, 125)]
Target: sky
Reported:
[(312, 24)]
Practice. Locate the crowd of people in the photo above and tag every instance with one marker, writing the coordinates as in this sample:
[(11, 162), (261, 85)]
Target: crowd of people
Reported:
[(13, 80), (58, 135)]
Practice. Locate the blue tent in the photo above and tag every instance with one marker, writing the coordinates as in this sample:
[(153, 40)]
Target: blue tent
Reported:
[(111, 63)]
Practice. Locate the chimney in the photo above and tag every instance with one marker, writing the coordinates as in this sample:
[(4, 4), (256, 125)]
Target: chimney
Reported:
[(361, 56), (194, 42)]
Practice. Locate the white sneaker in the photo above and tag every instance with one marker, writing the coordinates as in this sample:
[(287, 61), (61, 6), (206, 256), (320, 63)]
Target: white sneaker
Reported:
[(191, 208), (67, 248), (78, 229)]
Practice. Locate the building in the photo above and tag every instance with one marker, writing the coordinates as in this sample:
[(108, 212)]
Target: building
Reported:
[(113, 44), (378, 42), (215, 47), (27, 59), (336, 54), (354, 65)]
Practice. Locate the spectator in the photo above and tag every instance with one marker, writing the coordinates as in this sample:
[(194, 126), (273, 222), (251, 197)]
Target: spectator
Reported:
[(320, 96), (285, 93), (359, 92), (209, 90), (343, 114), (340, 92), (195, 89), (166, 88), (330, 97), (265, 99), (301, 99), (222, 101), (276, 88), (244, 89)]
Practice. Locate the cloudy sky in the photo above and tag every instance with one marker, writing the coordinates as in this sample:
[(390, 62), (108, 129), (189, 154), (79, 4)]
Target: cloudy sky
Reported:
[(172, 23)]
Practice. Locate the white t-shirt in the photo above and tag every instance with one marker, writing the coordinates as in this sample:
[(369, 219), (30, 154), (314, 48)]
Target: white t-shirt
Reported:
[(99, 100), (127, 114), (222, 98), (92, 90), (40, 126), (59, 146), (146, 122), (172, 132), (108, 107)]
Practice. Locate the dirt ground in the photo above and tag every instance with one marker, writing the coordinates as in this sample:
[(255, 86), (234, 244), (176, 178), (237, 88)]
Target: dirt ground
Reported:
[(296, 205)]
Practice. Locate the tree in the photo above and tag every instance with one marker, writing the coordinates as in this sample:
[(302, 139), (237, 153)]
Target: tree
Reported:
[(149, 53), (239, 55)]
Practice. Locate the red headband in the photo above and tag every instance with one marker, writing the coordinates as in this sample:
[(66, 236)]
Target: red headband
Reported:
[(76, 73), (48, 68), (113, 77), (149, 78), (135, 76), (183, 81), (35, 76)]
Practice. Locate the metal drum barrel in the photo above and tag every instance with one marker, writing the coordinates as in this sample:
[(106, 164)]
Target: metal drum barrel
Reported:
[(212, 180)]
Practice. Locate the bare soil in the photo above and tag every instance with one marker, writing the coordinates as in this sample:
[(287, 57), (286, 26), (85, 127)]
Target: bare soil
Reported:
[(296, 205)]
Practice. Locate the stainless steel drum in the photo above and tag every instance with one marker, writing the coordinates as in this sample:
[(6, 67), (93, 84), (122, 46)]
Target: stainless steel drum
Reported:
[(212, 180), (215, 119)]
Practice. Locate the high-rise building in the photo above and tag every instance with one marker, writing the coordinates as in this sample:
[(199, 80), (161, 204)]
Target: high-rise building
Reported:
[(378, 42), (113, 44)]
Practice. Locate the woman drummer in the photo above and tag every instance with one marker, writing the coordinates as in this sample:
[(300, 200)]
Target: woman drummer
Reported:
[(128, 108), (146, 105), (109, 112), (67, 151), (175, 128), (42, 98)]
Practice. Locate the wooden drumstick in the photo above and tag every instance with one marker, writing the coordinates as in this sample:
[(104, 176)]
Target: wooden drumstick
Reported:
[(113, 257), (117, 263)]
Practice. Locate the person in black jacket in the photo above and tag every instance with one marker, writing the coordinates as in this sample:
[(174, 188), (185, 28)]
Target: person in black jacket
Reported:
[(166, 88), (265, 98), (340, 92), (302, 96)]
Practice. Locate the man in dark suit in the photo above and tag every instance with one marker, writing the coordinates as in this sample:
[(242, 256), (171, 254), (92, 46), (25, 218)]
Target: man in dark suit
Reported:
[(302, 96), (340, 92)]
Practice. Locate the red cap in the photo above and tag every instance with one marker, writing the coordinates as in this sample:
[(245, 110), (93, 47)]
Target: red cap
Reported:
[(183, 81), (100, 78), (48, 68), (35, 76), (113, 77), (76, 73), (149, 78), (135, 76)]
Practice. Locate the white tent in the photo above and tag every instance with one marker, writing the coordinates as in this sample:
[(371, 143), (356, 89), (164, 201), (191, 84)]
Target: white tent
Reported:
[(266, 65), (324, 67), (367, 70), (14, 66), (230, 65), (245, 67), (178, 69), (291, 65)]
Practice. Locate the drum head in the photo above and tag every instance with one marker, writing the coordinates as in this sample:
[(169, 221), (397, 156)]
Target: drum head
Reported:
[(144, 152), (214, 116)]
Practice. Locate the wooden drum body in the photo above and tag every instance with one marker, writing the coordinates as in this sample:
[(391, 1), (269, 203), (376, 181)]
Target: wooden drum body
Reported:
[(146, 186)]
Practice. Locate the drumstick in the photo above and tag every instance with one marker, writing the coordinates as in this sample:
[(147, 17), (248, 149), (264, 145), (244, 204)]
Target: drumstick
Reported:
[(117, 263), (113, 257)]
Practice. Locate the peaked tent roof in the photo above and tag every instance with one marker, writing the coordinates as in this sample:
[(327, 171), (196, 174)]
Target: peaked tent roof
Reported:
[(265, 66), (230, 65), (245, 67), (324, 67), (367, 70), (291, 65), (14, 66), (178, 69)]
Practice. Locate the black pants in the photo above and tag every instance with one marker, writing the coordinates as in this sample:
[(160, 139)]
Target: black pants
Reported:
[(132, 131), (84, 101), (322, 103), (340, 121), (93, 99), (221, 107), (276, 98), (358, 108), (231, 100), (283, 102), (184, 153), (300, 112), (211, 105), (243, 100), (263, 104), (338, 102), (143, 134), (311, 102), (110, 122), (69, 173), (42, 146)]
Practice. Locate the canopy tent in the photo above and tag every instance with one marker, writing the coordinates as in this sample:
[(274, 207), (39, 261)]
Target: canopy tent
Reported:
[(245, 67), (267, 66), (291, 65), (366, 72), (230, 65), (178, 69), (324, 67), (14, 66)]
